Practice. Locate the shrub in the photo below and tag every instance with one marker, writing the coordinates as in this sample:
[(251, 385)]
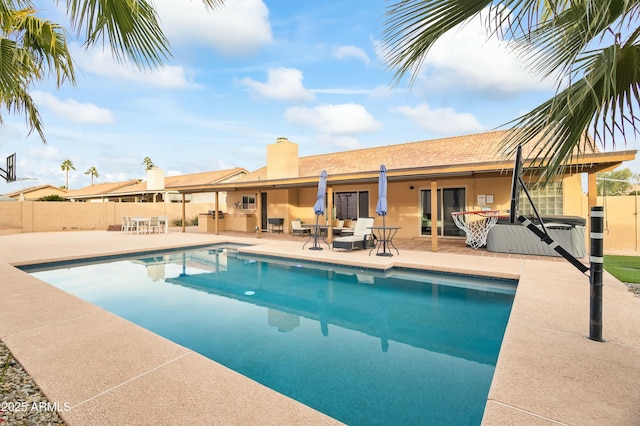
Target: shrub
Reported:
[(53, 197), (178, 222)]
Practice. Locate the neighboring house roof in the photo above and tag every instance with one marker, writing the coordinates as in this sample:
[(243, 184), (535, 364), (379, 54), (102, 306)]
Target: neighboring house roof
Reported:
[(98, 189), (39, 188), (135, 187), (204, 177)]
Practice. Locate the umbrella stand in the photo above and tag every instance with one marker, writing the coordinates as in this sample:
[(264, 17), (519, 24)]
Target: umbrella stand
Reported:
[(316, 231)]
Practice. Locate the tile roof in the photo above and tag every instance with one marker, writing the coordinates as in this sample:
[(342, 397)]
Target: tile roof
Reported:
[(137, 187), (98, 189), (457, 150), (36, 188), (203, 178), (134, 188)]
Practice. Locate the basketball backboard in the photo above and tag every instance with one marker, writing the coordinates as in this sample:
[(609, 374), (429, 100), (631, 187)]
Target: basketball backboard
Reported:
[(9, 174)]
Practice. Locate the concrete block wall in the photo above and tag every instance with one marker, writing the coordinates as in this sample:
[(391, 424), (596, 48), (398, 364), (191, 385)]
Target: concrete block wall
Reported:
[(42, 216)]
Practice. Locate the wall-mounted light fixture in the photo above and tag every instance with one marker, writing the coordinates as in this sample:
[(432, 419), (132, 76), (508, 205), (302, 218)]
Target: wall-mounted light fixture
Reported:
[(411, 187)]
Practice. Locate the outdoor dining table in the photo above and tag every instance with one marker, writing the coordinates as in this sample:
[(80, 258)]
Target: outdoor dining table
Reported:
[(317, 232), (384, 235), (140, 221)]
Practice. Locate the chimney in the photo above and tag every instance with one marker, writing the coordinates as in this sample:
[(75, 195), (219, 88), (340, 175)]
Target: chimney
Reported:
[(155, 179), (282, 159)]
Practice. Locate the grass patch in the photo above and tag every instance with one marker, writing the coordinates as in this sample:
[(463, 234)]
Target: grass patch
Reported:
[(624, 268)]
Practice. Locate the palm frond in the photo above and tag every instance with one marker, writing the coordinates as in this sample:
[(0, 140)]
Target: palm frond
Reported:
[(130, 26), (46, 43), (413, 26), (605, 100)]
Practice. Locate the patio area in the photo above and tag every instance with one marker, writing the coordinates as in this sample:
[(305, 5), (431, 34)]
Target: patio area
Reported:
[(111, 371)]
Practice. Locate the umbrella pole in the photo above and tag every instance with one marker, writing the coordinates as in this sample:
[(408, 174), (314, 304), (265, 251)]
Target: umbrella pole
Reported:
[(384, 236)]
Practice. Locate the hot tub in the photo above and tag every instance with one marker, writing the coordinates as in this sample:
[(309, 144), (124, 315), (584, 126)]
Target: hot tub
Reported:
[(568, 231)]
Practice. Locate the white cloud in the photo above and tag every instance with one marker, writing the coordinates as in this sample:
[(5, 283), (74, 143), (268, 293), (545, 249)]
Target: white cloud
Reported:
[(282, 83), (342, 91), (445, 121), (346, 52), (45, 152), (73, 110), (467, 57), (334, 119), (383, 91), (102, 63), (240, 27)]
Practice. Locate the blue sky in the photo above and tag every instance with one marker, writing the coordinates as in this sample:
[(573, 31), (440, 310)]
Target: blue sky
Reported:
[(254, 71)]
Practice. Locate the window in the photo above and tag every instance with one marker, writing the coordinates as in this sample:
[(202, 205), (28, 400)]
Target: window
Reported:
[(548, 200), (351, 205), (248, 202)]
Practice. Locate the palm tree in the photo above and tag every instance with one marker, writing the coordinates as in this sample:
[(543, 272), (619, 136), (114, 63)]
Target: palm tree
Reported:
[(66, 166), (590, 47), (148, 164), (93, 172), (33, 48)]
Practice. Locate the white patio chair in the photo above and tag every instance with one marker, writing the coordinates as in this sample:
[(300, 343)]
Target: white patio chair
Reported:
[(154, 223), (128, 225), (298, 229)]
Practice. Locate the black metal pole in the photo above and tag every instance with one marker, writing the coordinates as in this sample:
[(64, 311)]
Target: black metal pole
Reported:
[(595, 278)]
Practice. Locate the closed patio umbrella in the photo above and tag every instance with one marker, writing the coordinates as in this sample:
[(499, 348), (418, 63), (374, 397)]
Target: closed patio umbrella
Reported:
[(381, 207), (318, 207)]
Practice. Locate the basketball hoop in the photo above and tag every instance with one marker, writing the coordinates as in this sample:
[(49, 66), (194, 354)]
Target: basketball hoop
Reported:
[(476, 224)]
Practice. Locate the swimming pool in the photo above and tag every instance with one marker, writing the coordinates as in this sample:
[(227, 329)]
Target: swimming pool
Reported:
[(365, 347)]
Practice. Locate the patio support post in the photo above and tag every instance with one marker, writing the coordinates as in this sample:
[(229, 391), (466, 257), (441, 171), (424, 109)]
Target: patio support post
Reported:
[(215, 222), (259, 208), (434, 215), (184, 213), (330, 213), (595, 277)]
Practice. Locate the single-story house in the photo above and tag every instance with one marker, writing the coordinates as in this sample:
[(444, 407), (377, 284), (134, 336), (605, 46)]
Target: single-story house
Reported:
[(157, 187), (427, 181), (37, 192)]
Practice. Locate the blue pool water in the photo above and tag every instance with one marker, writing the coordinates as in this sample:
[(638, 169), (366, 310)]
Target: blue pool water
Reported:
[(364, 347)]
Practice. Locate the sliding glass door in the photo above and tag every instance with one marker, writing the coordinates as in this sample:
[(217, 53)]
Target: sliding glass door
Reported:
[(449, 200)]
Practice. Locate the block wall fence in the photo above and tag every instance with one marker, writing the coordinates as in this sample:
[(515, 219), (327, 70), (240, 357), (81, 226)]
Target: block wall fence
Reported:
[(622, 222), (43, 216)]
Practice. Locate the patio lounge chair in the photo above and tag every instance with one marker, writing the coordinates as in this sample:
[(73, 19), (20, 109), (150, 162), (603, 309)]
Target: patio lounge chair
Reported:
[(362, 236), (298, 229)]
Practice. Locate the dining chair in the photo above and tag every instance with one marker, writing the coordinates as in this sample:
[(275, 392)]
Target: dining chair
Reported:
[(154, 223)]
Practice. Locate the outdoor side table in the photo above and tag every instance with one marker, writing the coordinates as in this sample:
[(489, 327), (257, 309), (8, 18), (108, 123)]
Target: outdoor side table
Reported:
[(385, 235), (317, 234)]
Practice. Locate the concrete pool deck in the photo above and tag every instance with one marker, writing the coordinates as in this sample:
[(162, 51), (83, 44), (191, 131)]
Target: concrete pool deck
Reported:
[(111, 371)]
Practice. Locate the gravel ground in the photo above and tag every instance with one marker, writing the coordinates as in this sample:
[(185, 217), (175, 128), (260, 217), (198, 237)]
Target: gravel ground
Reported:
[(635, 288), (21, 401)]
